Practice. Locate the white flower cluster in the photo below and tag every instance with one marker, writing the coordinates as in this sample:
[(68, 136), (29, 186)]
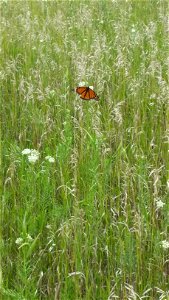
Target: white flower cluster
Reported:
[(159, 203), (50, 159), (165, 244), (33, 156), (20, 241)]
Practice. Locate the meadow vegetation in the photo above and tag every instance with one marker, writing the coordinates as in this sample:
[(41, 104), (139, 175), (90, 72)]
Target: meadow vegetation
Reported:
[(85, 212)]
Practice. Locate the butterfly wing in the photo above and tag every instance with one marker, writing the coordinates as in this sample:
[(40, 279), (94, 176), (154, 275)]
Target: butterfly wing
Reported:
[(81, 89), (86, 93), (89, 95), (92, 95)]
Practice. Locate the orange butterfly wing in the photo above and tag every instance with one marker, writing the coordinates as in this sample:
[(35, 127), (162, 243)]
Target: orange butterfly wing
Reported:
[(86, 93), (93, 95), (81, 89)]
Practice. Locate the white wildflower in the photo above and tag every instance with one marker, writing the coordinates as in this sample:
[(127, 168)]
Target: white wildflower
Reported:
[(19, 241), (133, 30), (91, 87), (50, 159), (29, 238), (26, 151), (33, 158), (159, 203), (33, 155), (30, 151), (165, 244), (35, 152)]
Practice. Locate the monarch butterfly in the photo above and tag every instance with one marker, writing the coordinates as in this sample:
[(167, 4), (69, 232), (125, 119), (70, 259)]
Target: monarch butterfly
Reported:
[(86, 93)]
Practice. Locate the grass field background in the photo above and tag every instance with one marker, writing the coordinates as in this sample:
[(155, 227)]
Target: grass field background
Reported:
[(87, 217)]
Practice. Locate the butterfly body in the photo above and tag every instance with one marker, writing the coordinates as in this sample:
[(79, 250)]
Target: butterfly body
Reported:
[(86, 93)]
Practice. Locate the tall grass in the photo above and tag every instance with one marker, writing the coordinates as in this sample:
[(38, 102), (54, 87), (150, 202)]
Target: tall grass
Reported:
[(94, 224)]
